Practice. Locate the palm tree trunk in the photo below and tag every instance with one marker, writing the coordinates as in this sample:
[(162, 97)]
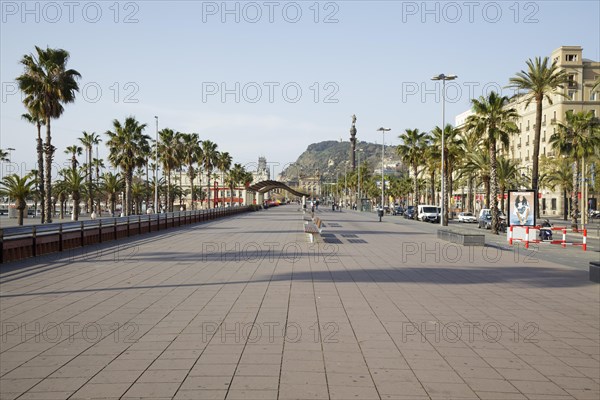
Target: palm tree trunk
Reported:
[(40, 154), (486, 188), (432, 190), (89, 181), (169, 202), (565, 205), (128, 200), (536, 153), (208, 191), (445, 195), (494, 187), (470, 201), (21, 208), (49, 152), (113, 204), (574, 200), (416, 191), (76, 199), (191, 175)]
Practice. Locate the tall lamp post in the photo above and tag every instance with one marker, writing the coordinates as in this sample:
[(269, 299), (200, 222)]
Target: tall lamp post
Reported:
[(156, 208), (359, 200), (383, 131), (443, 78)]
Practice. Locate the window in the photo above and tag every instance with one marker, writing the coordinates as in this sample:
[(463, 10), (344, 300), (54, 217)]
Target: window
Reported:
[(553, 204), (571, 80), (571, 57), (593, 113), (593, 96), (571, 94)]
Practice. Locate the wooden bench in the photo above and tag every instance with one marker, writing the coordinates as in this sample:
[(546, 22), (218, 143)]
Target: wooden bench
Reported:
[(465, 239)]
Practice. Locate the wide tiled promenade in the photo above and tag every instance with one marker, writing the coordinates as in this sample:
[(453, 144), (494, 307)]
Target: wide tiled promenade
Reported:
[(245, 308)]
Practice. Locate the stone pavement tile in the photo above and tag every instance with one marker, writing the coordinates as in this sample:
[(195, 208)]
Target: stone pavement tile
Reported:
[(302, 365), (500, 396), (527, 374), (538, 388), (75, 372), (59, 385), (392, 388), (449, 390), (349, 379), (166, 375), (581, 362), (140, 354), (207, 369), (477, 372), (181, 363), (258, 370), (45, 396), (255, 383), (303, 378), (206, 382), (584, 394), (152, 390), (296, 392), (200, 395), (448, 375), (586, 384), (589, 372), (100, 390), (252, 394), (30, 372), (353, 392), (491, 385), (252, 358), (113, 376)]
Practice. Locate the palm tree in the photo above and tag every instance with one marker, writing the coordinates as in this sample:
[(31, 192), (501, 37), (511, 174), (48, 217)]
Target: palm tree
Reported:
[(209, 160), (541, 81), (75, 151), (88, 140), (125, 142), (111, 186), (577, 138), (4, 156), (433, 157), (452, 153), (19, 189), (471, 144), (224, 160), (35, 117), (191, 144), (493, 120), (168, 154), (74, 183), (411, 152), (562, 175), (47, 85), (98, 163), (509, 175), (478, 165)]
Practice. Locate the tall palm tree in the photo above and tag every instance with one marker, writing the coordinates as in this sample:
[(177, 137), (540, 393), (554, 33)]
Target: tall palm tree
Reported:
[(98, 163), (191, 144), (562, 175), (47, 85), (540, 81), (34, 116), (224, 160), (577, 138), (19, 189), (4, 156), (111, 185), (74, 184), (168, 155), (74, 151), (452, 153), (411, 152), (495, 122), (209, 160), (478, 165), (471, 144), (125, 142), (88, 140), (509, 175), (433, 157)]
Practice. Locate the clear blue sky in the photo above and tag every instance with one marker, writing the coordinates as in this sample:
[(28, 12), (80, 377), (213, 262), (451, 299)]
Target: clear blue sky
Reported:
[(369, 59)]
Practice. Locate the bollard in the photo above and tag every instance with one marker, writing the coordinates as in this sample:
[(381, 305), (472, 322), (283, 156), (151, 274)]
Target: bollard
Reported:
[(527, 237), (584, 246), (510, 235), (564, 241)]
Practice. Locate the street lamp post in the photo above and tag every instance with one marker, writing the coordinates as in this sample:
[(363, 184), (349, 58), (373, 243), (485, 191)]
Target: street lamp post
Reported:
[(156, 210), (359, 200), (443, 78), (383, 131)]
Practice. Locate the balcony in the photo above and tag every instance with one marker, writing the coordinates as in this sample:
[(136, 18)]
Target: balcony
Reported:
[(527, 128), (553, 121), (518, 145), (527, 143), (572, 85)]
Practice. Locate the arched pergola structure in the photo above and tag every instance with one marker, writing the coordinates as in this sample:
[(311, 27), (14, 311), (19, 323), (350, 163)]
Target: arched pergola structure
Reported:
[(262, 187)]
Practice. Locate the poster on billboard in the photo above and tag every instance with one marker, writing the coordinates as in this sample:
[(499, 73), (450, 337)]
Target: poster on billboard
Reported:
[(521, 207)]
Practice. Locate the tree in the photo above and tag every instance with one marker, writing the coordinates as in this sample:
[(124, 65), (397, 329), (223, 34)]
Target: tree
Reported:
[(74, 151), (19, 189), (168, 155), (471, 144), (73, 182), (224, 160), (4, 156), (452, 153), (35, 117), (47, 85), (478, 165), (191, 145), (411, 152), (540, 81), (577, 138), (495, 122), (125, 142), (111, 185), (88, 140), (562, 175), (209, 160), (509, 176)]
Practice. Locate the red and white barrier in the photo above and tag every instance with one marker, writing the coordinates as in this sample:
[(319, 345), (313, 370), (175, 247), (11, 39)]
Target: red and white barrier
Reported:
[(528, 235)]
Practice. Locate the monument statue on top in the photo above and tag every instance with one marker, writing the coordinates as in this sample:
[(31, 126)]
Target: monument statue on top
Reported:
[(353, 142)]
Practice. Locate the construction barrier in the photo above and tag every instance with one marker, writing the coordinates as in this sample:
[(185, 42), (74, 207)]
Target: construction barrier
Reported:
[(530, 234)]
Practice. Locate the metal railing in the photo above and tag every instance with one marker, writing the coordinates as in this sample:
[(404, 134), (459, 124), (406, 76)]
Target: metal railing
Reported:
[(21, 242)]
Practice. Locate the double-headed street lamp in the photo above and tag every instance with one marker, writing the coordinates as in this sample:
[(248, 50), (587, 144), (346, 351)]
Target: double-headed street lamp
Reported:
[(383, 131), (443, 78)]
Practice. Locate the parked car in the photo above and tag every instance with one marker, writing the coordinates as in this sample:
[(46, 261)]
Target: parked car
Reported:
[(466, 217), (428, 213), (398, 211), (485, 219), (409, 213)]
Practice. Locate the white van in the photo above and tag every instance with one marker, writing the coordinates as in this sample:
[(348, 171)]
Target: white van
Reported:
[(429, 213)]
